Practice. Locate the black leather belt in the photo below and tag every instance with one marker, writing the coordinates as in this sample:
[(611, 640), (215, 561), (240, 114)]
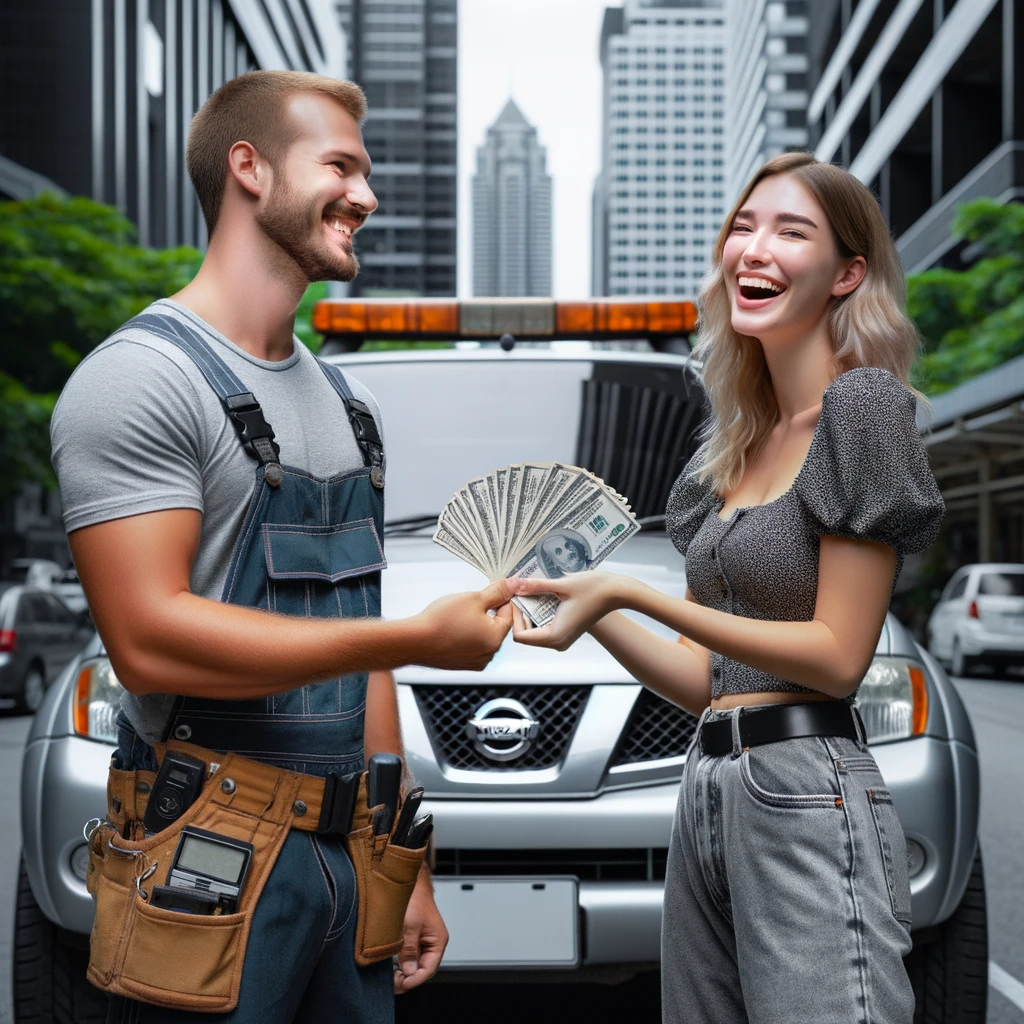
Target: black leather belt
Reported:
[(780, 722)]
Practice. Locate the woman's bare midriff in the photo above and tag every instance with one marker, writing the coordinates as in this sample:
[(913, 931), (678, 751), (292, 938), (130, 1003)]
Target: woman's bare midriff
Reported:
[(735, 700)]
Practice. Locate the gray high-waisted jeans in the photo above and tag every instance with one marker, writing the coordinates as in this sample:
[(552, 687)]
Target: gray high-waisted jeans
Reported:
[(787, 899)]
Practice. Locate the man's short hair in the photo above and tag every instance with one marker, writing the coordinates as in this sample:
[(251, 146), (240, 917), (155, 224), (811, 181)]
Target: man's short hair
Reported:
[(251, 108)]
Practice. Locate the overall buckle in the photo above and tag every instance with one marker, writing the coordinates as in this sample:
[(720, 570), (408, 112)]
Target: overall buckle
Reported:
[(248, 418)]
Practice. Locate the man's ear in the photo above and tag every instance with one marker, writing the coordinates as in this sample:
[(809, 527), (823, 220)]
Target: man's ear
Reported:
[(851, 276), (248, 168)]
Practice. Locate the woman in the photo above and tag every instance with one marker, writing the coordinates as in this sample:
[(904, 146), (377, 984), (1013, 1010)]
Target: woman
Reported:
[(786, 897)]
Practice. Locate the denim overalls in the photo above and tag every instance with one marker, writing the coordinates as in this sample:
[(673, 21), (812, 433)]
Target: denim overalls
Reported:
[(307, 547)]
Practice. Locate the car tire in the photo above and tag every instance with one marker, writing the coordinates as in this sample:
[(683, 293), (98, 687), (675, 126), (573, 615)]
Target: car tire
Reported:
[(950, 973), (960, 664), (49, 968), (32, 689)]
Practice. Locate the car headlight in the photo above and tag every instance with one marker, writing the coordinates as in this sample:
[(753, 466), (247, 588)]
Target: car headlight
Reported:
[(893, 700), (97, 701)]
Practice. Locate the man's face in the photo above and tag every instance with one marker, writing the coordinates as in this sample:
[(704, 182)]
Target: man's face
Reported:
[(564, 553), (319, 195)]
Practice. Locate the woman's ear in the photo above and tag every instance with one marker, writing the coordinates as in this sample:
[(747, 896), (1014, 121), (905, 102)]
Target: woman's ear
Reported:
[(851, 276)]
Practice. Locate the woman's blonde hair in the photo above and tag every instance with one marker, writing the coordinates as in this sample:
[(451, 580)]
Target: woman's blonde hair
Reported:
[(868, 327)]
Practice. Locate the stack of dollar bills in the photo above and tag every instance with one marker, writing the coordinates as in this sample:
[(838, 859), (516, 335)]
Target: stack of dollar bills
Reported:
[(535, 519)]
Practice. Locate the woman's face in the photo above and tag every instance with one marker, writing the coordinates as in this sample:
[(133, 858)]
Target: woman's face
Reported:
[(780, 262)]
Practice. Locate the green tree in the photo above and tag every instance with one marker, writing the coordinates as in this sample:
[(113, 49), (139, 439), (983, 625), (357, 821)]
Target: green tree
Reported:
[(71, 272), (972, 320)]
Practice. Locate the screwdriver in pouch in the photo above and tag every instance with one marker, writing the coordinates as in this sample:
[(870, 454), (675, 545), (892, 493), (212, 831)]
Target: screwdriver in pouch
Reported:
[(407, 815), (382, 787)]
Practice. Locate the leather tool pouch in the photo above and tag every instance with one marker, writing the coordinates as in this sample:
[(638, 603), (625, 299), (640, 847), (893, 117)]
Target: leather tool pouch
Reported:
[(386, 876), (164, 957), (194, 961)]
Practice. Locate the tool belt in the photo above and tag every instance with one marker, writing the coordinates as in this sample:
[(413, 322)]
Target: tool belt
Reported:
[(194, 961)]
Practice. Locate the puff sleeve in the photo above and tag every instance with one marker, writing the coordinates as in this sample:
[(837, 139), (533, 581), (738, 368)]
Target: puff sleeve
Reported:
[(689, 503), (867, 473)]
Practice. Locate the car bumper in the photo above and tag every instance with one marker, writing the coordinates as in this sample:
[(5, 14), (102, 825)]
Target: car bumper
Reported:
[(934, 785), (977, 642)]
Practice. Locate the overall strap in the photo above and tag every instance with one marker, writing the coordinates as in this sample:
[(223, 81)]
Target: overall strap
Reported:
[(255, 433), (363, 425)]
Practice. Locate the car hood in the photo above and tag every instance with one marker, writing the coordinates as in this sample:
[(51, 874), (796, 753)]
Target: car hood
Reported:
[(420, 571)]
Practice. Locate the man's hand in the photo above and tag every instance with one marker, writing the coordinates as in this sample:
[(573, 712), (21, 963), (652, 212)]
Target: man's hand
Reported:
[(457, 631), (425, 938)]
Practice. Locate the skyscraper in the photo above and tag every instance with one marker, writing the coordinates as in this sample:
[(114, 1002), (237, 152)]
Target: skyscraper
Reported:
[(766, 95), (511, 210), (96, 98), (403, 54), (659, 198)]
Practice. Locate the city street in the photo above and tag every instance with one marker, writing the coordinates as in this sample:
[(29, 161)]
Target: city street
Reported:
[(997, 710)]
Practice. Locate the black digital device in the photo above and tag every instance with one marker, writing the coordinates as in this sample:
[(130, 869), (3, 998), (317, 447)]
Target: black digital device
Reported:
[(178, 784), (209, 863), (382, 787), (185, 901)]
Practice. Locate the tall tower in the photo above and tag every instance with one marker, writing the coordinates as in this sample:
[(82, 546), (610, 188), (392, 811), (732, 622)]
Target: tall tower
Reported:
[(660, 196), (767, 94), (404, 57), (511, 210)]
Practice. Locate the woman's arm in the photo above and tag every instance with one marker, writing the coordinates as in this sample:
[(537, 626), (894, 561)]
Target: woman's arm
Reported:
[(830, 653), (679, 671)]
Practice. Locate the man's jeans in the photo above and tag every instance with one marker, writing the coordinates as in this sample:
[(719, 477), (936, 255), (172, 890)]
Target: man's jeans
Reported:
[(299, 963), (787, 899)]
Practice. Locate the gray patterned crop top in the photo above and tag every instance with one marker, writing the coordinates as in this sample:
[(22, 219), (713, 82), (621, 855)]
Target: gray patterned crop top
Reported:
[(866, 475)]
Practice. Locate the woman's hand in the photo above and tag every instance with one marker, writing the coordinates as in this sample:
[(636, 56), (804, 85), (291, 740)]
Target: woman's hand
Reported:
[(585, 598)]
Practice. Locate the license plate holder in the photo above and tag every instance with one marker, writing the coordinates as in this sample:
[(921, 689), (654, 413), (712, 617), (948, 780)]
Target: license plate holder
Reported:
[(510, 922)]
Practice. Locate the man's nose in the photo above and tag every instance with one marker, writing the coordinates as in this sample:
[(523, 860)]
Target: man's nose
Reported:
[(362, 198)]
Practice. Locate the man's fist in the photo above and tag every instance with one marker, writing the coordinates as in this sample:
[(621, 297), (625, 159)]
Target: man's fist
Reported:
[(458, 631)]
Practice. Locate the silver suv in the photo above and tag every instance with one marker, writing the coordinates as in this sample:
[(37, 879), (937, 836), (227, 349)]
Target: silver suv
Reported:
[(553, 820)]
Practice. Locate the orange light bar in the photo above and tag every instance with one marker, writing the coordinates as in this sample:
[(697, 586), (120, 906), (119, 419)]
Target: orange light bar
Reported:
[(489, 318), (81, 708), (384, 317), (920, 692)]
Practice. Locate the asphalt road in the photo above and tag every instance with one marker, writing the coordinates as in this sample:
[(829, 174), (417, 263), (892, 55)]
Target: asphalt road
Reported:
[(997, 710)]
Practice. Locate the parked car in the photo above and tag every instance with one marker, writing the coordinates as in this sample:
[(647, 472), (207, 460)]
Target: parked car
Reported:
[(585, 799), (980, 618), (39, 635)]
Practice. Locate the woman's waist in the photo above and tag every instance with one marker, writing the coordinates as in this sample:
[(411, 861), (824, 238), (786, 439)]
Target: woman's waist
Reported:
[(728, 701)]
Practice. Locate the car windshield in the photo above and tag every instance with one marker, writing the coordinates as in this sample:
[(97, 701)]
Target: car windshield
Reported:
[(1002, 584), (448, 421)]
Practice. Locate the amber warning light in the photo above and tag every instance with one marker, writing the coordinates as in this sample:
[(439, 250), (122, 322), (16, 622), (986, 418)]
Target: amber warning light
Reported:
[(489, 319)]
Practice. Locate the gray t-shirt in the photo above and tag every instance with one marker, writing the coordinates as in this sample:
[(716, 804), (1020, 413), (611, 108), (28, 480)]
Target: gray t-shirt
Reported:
[(138, 429)]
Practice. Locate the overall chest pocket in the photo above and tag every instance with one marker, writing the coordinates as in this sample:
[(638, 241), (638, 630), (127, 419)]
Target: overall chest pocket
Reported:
[(324, 571)]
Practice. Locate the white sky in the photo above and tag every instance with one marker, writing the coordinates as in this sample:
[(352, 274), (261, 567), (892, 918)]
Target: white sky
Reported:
[(544, 54)]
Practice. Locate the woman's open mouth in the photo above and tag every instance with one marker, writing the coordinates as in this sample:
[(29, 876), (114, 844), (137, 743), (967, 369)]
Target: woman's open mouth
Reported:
[(755, 292)]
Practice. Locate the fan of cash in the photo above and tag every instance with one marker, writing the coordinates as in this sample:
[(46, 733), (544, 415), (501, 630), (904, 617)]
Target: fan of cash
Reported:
[(535, 519)]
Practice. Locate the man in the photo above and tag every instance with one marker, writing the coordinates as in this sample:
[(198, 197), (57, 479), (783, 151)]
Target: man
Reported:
[(242, 617)]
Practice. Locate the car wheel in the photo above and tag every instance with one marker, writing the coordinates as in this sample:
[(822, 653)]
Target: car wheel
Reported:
[(950, 974), (960, 664), (32, 690), (49, 969)]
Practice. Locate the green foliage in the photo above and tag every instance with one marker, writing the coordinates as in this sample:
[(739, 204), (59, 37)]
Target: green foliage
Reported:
[(973, 320), (71, 272), (24, 436)]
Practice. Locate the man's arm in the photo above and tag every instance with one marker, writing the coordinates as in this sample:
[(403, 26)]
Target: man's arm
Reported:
[(425, 933), (161, 638)]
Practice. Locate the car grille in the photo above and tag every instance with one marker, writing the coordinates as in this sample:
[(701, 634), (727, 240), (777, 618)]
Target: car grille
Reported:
[(655, 729), (447, 710), (631, 865)]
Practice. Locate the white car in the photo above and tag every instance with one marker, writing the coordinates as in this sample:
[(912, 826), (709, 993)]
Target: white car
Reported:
[(980, 618)]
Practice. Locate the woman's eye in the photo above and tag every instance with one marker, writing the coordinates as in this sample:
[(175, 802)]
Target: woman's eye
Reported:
[(793, 233), (740, 227)]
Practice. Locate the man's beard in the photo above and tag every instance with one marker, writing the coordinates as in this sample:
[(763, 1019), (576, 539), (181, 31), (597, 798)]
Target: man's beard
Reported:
[(291, 222)]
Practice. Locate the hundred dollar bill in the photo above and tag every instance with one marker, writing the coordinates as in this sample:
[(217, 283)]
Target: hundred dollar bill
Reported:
[(591, 532)]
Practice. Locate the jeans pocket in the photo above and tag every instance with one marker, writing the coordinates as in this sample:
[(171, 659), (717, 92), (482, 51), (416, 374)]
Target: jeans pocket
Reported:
[(893, 847), (792, 773)]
